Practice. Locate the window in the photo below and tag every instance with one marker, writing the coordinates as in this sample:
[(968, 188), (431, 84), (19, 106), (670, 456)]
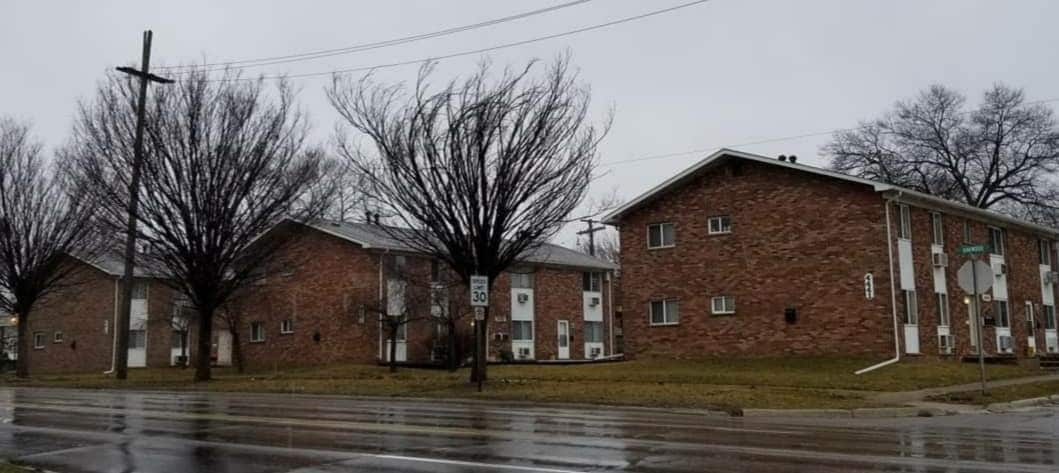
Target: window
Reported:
[(435, 271), (137, 339), (522, 280), (38, 340), (1031, 322), (177, 341), (911, 311), (996, 239), (966, 231), (286, 327), (1000, 311), (937, 235), (720, 224), (723, 305), (592, 282), (943, 309), (257, 332), (57, 337), (661, 235), (1044, 247), (139, 290), (593, 332), (904, 226), (522, 330), (665, 312), (1049, 317)]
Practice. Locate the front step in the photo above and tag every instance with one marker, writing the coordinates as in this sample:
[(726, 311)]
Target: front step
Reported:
[(1050, 362)]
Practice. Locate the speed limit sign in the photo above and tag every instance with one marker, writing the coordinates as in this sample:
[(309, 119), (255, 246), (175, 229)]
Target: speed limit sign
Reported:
[(479, 291)]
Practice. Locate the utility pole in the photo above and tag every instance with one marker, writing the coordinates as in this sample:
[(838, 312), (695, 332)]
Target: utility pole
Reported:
[(591, 232), (121, 332)]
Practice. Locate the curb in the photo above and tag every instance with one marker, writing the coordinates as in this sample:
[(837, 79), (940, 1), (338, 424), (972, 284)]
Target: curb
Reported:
[(860, 413), (999, 407)]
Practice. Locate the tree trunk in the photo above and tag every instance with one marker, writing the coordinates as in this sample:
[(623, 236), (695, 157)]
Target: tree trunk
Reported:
[(237, 348), (454, 364), (205, 346), (22, 364), (393, 346), (480, 356)]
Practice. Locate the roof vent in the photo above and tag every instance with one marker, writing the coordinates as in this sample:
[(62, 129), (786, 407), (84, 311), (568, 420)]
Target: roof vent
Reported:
[(783, 157), (793, 159)]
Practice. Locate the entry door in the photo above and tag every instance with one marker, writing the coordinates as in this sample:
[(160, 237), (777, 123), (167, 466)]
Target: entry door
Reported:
[(1031, 328), (564, 340), (911, 323), (1051, 338), (137, 348)]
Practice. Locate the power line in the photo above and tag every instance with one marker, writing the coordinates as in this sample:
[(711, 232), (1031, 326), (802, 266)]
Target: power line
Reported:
[(310, 55), (488, 49), (767, 140)]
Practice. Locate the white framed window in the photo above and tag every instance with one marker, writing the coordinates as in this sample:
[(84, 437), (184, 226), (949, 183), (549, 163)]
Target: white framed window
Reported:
[(593, 332), (911, 310), (996, 240), (937, 230), (665, 312), (522, 280), (904, 222), (1044, 247), (661, 235), (38, 340), (139, 290), (1031, 321), (137, 339), (592, 281), (1049, 316), (286, 327), (1001, 314), (522, 330), (966, 231), (257, 332), (721, 305), (57, 337), (943, 309), (720, 224)]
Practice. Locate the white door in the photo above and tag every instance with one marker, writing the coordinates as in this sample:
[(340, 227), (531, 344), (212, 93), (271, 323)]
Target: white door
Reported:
[(911, 323), (137, 348), (1031, 328), (402, 345), (564, 340)]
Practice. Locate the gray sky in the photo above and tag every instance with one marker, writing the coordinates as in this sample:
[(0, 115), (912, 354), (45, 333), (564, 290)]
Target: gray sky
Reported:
[(717, 74)]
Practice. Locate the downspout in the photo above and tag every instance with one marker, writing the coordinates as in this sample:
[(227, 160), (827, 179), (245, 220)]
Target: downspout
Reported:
[(893, 295), (113, 327), (382, 299), (610, 308)]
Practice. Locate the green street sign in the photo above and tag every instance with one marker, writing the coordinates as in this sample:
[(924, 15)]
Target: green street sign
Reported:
[(973, 249)]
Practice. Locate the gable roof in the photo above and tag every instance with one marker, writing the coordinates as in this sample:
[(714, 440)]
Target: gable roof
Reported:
[(373, 236), (887, 190)]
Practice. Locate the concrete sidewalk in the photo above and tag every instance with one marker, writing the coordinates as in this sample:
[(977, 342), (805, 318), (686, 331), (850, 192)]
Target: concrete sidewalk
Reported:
[(908, 397)]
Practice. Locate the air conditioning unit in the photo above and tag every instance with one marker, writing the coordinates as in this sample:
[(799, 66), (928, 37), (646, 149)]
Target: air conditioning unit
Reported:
[(595, 353), (1053, 346), (593, 302), (523, 298), (523, 353), (1007, 344), (1051, 277), (940, 260), (945, 344)]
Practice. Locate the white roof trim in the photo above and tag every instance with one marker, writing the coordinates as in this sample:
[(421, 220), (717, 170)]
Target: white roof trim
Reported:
[(613, 218)]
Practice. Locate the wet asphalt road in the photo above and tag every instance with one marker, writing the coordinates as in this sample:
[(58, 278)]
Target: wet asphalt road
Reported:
[(96, 431)]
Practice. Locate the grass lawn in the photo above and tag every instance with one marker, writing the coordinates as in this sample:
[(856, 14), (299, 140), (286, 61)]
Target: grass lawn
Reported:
[(710, 383), (1002, 394), (9, 468)]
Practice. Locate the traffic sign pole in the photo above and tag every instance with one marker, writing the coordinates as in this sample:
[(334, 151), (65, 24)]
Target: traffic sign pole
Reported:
[(979, 327)]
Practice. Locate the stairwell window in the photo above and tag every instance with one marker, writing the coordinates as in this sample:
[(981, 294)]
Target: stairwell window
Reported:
[(592, 281), (996, 239), (943, 309), (723, 305), (665, 312), (1044, 247), (257, 332), (904, 222), (911, 310), (720, 225), (661, 235), (593, 332), (937, 234), (522, 330), (1049, 317), (1000, 311)]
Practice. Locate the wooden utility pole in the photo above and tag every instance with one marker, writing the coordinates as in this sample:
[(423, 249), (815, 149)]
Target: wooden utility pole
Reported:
[(121, 331), (591, 232)]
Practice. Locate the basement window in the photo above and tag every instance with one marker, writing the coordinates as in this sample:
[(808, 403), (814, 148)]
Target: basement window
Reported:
[(723, 305), (661, 235), (665, 312), (720, 225), (257, 332)]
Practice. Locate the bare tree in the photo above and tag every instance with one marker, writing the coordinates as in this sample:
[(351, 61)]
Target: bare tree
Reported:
[(1001, 155), (224, 162), (482, 170), (44, 223), (346, 188)]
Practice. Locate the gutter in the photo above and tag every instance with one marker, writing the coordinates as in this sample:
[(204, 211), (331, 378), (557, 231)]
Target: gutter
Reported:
[(893, 295)]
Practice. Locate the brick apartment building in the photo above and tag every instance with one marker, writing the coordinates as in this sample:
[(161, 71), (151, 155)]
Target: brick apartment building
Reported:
[(320, 301), (744, 255), (342, 277)]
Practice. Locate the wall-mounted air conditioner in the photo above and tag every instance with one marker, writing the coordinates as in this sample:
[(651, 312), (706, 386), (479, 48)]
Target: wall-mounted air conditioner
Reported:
[(523, 298), (523, 353), (940, 260), (593, 302), (1051, 277), (1007, 344), (945, 344), (1003, 268), (595, 353)]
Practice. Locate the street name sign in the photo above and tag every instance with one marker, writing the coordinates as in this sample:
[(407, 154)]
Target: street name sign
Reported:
[(973, 249)]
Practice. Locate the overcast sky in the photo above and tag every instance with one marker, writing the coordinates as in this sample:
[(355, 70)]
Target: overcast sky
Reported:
[(717, 74)]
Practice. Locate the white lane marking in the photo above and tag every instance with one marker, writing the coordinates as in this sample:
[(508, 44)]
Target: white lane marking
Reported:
[(468, 463)]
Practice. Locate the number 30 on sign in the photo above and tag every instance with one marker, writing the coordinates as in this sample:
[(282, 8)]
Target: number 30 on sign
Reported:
[(479, 291)]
